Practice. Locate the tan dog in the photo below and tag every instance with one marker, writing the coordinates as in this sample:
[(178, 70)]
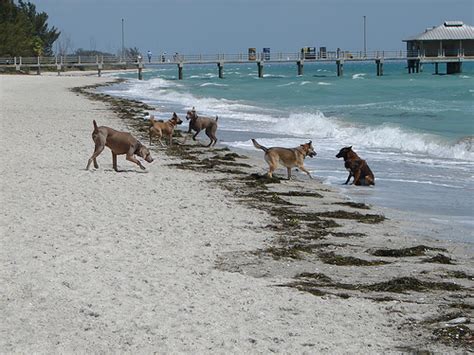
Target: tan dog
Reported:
[(119, 143), (357, 167), (288, 157), (199, 123), (160, 128)]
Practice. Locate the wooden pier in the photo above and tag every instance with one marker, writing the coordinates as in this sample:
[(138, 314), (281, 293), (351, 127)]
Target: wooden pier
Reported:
[(415, 61)]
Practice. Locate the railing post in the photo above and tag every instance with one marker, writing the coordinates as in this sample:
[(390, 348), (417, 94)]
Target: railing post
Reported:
[(38, 69), (140, 67), (58, 66)]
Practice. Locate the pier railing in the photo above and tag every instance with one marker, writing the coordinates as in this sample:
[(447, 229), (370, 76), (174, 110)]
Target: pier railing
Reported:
[(227, 58), (338, 56)]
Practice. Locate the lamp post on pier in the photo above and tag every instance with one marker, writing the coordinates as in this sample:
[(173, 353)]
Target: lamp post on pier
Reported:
[(123, 43), (365, 38)]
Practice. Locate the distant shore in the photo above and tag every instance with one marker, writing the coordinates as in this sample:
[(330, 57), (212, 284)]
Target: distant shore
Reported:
[(199, 253)]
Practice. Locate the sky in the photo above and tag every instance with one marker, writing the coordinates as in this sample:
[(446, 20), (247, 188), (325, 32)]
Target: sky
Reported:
[(232, 26)]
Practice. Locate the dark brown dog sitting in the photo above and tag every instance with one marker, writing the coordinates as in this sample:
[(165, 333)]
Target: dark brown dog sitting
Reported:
[(357, 167), (198, 123)]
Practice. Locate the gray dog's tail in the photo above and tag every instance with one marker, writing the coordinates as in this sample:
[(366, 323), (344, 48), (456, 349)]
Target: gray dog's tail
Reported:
[(95, 126), (258, 146)]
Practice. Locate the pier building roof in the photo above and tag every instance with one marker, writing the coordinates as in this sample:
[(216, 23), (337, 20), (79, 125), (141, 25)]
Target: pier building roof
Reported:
[(449, 30)]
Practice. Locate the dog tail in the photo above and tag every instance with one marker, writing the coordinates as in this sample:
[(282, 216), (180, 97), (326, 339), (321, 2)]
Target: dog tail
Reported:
[(258, 146), (95, 126)]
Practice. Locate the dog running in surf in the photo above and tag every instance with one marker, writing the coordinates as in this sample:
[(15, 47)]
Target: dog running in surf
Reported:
[(288, 157)]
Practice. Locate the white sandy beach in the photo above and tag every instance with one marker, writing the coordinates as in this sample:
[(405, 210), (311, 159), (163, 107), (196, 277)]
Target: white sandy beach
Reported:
[(159, 260)]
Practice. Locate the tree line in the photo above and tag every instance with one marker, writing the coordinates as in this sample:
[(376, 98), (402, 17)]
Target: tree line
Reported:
[(24, 31)]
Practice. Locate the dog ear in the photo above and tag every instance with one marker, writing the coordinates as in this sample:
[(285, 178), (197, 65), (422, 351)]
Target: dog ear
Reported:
[(350, 147), (310, 142)]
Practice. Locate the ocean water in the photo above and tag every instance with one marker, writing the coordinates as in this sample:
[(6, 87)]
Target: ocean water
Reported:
[(416, 131)]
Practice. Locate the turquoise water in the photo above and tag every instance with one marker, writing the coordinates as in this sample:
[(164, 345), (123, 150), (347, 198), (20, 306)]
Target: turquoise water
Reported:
[(416, 131)]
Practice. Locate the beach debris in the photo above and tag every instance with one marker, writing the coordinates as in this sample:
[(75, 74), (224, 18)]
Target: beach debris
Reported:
[(458, 335), (440, 259), (340, 260), (359, 205), (459, 320), (418, 250), (362, 218)]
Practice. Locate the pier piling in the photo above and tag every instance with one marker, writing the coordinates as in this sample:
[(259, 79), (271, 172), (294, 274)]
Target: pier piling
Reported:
[(220, 66), (260, 69), (180, 71), (300, 65), (379, 63), (340, 67)]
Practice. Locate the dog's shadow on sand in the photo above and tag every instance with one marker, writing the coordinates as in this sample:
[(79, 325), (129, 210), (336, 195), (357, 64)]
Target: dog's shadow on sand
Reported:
[(122, 171)]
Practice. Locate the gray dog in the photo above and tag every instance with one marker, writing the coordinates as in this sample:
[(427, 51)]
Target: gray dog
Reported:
[(198, 123), (119, 143)]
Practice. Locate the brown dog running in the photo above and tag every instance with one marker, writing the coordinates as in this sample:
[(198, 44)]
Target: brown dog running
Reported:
[(119, 143), (357, 167), (160, 128), (288, 157), (198, 123)]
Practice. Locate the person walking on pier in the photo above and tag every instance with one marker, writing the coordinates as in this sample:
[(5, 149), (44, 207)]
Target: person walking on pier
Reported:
[(149, 56)]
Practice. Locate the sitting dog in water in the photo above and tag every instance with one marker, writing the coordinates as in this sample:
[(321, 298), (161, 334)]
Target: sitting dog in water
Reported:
[(357, 167), (198, 123), (288, 157), (160, 128), (119, 143)]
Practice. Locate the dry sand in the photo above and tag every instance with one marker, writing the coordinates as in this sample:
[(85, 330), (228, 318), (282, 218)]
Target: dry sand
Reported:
[(187, 260)]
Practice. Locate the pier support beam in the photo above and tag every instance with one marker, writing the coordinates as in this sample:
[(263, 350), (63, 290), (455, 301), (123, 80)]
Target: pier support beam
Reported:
[(220, 66), (340, 67), (454, 68), (260, 69), (417, 66), (300, 64), (436, 68), (180, 71), (99, 70), (379, 63), (58, 69)]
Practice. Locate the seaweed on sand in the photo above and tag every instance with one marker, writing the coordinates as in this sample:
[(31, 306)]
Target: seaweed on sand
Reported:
[(440, 259), (334, 259), (418, 250), (362, 218), (402, 284), (359, 205)]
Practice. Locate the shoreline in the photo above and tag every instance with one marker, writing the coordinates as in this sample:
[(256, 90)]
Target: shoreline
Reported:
[(404, 194), (271, 239)]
